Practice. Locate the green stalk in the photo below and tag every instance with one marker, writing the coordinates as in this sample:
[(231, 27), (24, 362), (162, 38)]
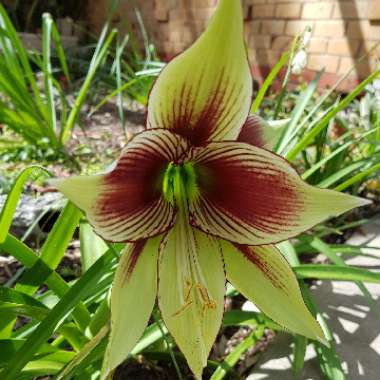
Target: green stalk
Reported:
[(99, 55), (308, 138)]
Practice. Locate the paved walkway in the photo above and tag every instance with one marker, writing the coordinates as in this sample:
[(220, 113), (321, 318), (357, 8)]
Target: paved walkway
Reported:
[(356, 328)]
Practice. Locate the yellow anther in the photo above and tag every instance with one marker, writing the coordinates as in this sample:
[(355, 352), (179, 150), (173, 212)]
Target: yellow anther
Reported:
[(183, 308), (207, 302)]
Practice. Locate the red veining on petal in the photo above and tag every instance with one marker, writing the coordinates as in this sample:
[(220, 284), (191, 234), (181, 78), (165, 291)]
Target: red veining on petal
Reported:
[(252, 132), (129, 266), (132, 185), (131, 205), (263, 198), (198, 125), (258, 259)]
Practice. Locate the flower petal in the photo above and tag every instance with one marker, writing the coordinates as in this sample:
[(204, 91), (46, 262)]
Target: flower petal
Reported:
[(191, 291), (256, 131), (127, 204), (251, 196), (132, 299), (263, 276), (206, 92)]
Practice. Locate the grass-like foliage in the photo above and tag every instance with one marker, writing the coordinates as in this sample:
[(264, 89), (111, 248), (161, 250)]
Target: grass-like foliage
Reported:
[(58, 327)]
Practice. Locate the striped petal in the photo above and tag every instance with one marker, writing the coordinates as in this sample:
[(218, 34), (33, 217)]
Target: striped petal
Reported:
[(256, 131), (250, 196), (191, 292), (127, 204), (263, 276), (132, 299), (205, 93)]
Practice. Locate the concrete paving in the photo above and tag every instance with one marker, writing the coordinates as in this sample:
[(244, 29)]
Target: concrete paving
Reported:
[(356, 328)]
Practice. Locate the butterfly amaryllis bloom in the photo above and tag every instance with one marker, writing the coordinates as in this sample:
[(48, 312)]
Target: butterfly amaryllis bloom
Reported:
[(199, 198)]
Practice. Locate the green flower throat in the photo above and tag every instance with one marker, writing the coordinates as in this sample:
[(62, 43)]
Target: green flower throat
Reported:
[(179, 185)]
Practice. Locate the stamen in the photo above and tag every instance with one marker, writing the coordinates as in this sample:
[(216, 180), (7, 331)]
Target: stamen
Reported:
[(180, 186)]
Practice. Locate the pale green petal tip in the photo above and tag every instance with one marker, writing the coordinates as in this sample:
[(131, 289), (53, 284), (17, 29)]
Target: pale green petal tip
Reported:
[(350, 202), (226, 11), (324, 341), (362, 201), (320, 336)]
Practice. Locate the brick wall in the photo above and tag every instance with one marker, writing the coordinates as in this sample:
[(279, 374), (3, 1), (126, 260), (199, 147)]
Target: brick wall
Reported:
[(343, 30)]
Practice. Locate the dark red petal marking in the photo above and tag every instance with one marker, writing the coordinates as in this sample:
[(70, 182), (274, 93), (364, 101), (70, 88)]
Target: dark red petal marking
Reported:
[(130, 264), (277, 278), (245, 195), (215, 117), (131, 206), (252, 132)]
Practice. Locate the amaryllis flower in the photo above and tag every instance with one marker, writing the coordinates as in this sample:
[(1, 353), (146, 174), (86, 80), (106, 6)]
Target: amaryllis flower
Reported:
[(199, 199)]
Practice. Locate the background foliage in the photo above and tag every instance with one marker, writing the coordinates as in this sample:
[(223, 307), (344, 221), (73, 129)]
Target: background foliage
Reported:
[(54, 324)]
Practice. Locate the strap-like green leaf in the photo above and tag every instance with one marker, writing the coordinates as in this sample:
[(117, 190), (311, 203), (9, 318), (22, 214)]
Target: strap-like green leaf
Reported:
[(337, 273), (9, 208), (55, 318)]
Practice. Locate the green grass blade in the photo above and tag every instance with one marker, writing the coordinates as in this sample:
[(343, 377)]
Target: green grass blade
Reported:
[(101, 52), (10, 205), (53, 249), (91, 245), (299, 351), (293, 126), (60, 52), (336, 273), (310, 135), (50, 324), (268, 81), (329, 361), (325, 249), (328, 358), (358, 178), (234, 356), (22, 54), (54, 281), (10, 295), (47, 23), (114, 93), (334, 153), (248, 318), (332, 179), (16, 309), (118, 73), (85, 356)]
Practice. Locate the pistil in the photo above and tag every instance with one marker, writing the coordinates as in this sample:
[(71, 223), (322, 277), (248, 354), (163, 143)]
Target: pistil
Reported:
[(180, 189)]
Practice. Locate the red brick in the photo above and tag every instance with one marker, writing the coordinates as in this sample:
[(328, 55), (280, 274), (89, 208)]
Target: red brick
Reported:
[(317, 11), (260, 42), (296, 27), (329, 28), (262, 11), (273, 27), (282, 43), (317, 45), (201, 3), (374, 10), (317, 62), (343, 46), (291, 10), (362, 69), (161, 13), (252, 28)]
